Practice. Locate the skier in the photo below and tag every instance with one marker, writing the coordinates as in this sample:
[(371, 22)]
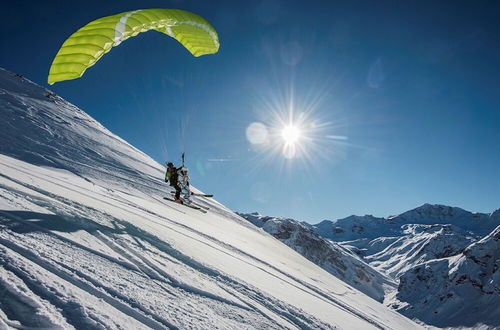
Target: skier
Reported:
[(172, 176), (179, 179), (183, 178)]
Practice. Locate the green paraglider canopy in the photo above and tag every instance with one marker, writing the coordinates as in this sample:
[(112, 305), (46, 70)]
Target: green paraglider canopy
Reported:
[(87, 45)]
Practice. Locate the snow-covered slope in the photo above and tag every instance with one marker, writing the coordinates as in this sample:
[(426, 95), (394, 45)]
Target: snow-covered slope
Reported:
[(463, 290), (87, 241), (332, 257)]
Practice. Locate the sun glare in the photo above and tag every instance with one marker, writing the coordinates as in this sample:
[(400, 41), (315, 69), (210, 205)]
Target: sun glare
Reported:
[(292, 130), (291, 134)]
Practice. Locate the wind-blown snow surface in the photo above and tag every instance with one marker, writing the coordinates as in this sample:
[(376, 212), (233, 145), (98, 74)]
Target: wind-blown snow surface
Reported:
[(86, 240)]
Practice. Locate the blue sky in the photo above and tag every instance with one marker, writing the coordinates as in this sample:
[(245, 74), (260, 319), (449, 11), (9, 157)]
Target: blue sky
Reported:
[(411, 87)]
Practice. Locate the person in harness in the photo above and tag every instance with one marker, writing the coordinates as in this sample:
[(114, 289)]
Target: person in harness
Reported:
[(183, 182), (172, 177)]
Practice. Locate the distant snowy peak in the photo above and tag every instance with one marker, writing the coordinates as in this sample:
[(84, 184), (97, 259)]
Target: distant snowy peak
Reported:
[(431, 213), (448, 274), (353, 227), (485, 257), (478, 223), (370, 227), (332, 257), (430, 229)]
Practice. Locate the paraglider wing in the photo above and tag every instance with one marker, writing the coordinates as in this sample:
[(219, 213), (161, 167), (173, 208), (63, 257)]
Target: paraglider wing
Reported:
[(87, 45)]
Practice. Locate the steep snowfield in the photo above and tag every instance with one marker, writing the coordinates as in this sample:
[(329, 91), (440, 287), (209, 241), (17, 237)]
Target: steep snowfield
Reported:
[(87, 241), (463, 290), (331, 256)]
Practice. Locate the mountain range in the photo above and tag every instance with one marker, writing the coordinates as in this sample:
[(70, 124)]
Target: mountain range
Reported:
[(435, 264)]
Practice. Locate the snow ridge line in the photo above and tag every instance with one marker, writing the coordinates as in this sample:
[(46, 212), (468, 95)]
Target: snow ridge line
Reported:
[(69, 109), (122, 307)]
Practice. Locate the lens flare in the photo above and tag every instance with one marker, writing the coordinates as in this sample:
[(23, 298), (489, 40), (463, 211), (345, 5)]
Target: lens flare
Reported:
[(257, 133)]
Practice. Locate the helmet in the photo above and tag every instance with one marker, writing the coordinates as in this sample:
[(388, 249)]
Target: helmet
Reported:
[(170, 164), (184, 170)]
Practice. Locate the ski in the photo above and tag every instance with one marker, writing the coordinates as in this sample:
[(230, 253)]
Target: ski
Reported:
[(196, 194), (196, 204), (187, 205), (202, 195)]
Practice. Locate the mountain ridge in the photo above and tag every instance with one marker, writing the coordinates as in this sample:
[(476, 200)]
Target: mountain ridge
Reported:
[(353, 227)]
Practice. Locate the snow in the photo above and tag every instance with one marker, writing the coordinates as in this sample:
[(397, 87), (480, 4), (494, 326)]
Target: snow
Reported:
[(87, 240)]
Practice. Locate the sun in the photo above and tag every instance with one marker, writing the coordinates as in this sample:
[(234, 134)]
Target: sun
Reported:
[(291, 134), (290, 129)]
